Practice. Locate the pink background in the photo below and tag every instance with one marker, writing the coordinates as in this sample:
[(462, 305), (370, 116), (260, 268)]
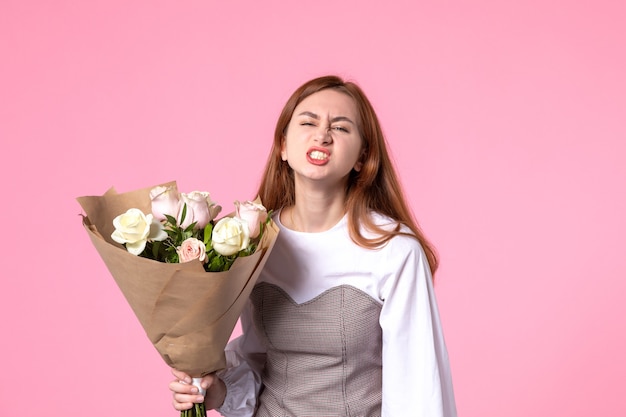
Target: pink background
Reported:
[(507, 123)]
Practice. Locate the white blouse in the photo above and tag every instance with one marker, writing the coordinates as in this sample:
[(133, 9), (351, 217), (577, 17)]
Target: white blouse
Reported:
[(416, 371)]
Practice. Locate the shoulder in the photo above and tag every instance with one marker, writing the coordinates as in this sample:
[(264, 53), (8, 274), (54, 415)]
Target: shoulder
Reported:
[(402, 244), (380, 220), (388, 225)]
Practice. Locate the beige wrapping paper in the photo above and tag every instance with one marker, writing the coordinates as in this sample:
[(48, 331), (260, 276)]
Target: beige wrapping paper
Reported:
[(188, 314)]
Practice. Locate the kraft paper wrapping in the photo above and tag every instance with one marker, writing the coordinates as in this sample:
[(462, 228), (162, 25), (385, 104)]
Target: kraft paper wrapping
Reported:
[(187, 313)]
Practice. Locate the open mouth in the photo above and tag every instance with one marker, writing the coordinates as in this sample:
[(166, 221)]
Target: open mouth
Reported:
[(318, 156)]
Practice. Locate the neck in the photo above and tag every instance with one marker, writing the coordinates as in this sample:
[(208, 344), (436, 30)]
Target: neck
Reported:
[(315, 211)]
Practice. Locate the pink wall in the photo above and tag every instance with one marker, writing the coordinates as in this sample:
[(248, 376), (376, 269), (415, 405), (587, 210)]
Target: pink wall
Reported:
[(507, 123)]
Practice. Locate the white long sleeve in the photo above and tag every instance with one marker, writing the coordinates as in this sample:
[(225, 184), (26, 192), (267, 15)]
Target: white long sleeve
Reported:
[(416, 372), (245, 358)]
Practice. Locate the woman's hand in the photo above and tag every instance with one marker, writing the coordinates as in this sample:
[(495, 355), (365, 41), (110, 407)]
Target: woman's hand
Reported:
[(185, 394)]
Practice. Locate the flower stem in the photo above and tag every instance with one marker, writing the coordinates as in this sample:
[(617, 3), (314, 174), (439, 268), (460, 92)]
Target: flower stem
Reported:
[(198, 410)]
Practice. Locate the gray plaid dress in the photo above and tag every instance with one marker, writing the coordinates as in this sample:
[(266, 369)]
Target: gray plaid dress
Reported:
[(323, 356)]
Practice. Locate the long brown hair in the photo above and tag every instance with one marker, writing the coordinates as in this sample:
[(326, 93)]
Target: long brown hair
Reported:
[(374, 188)]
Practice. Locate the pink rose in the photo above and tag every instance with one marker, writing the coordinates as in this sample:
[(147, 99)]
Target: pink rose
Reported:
[(253, 213), (165, 200), (191, 249), (200, 209)]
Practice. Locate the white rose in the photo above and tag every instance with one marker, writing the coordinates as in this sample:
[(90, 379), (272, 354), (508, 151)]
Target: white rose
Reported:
[(134, 229), (230, 235)]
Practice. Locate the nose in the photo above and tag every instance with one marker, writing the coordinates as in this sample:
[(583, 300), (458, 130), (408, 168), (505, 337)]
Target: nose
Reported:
[(323, 135)]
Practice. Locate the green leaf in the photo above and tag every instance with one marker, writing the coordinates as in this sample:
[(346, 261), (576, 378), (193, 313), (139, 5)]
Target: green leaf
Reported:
[(189, 228), (208, 232), (184, 214), (216, 264), (155, 249), (171, 220)]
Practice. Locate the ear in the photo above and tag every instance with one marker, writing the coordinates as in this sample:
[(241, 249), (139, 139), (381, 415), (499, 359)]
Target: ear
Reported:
[(359, 162), (283, 149)]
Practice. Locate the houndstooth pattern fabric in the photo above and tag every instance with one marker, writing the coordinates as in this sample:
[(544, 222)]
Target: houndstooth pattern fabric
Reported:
[(323, 356)]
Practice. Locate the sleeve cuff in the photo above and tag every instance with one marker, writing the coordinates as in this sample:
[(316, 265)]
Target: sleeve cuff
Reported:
[(242, 386)]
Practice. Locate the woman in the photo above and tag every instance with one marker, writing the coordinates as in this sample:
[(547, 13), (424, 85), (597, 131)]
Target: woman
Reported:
[(343, 320)]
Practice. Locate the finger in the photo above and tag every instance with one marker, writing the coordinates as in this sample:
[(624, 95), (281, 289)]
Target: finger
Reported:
[(185, 399), (179, 387), (208, 380), (181, 406), (181, 376)]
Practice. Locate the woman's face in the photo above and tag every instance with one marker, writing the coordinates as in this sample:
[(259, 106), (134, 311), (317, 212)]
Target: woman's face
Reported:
[(322, 141)]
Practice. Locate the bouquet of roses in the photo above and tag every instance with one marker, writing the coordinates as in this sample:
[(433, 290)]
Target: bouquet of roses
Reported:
[(181, 228), (185, 274)]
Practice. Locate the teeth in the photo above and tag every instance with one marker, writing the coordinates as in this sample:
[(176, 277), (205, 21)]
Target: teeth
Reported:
[(318, 155)]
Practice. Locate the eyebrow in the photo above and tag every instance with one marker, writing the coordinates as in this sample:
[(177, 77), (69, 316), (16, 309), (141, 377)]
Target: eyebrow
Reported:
[(333, 120)]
